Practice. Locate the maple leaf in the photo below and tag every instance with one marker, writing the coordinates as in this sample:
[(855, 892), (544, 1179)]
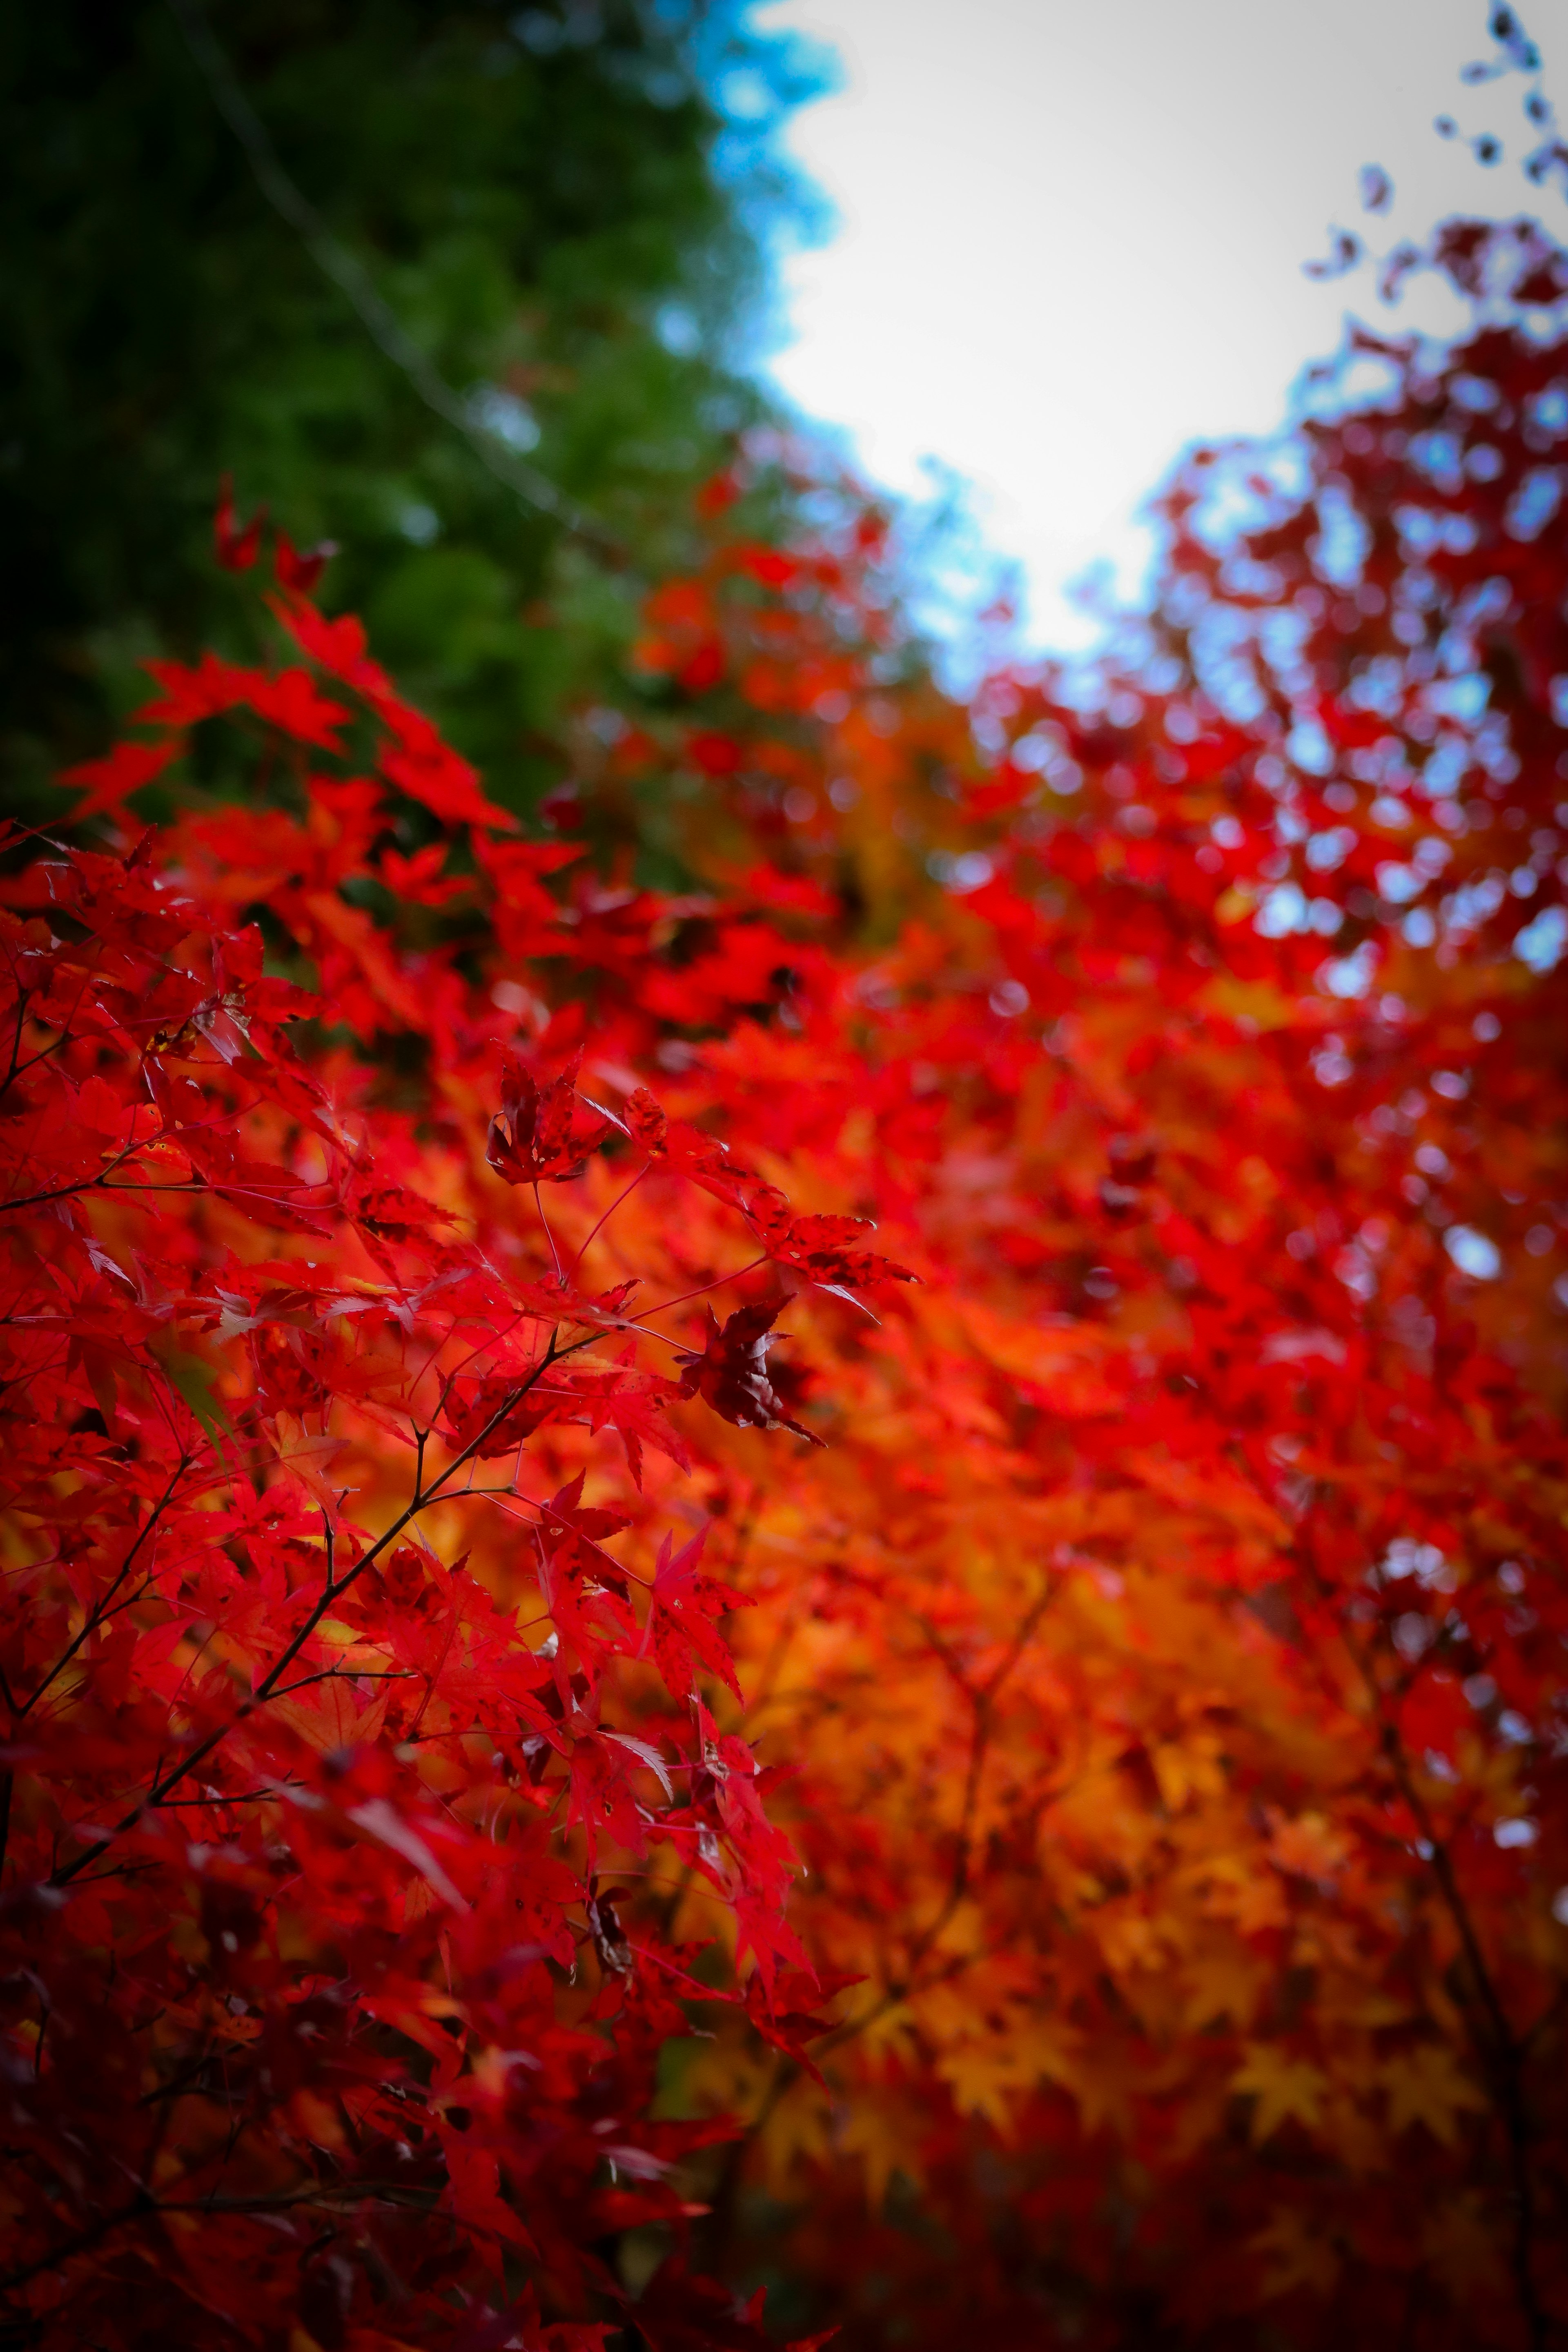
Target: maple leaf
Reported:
[(297, 570), (787, 2013), (545, 1134), (730, 1372), (307, 1458), (289, 700), (1284, 2088), (1425, 2086), (572, 1548), (430, 771), (108, 782), (825, 1249), (237, 545), (380, 1820), (634, 1404), (683, 1620), (421, 880), (692, 1153)]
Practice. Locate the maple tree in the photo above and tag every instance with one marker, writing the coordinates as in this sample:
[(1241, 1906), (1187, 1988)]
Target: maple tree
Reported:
[(327, 1690), (1153, 1671), (1169, 1642)]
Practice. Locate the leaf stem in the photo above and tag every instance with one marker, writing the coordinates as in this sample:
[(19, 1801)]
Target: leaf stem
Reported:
[(609, 1212)]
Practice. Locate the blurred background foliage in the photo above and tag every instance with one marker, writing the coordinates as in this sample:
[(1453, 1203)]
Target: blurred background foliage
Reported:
[(565, 207)]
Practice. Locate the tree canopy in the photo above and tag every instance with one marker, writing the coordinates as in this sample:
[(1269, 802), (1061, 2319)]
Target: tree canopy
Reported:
[(535, 197), (591, 1735)]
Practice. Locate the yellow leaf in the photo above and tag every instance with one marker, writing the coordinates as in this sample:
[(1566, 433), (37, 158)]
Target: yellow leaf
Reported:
[(1283, 2086), (1425, 2086), (1223, 1983), (884, 2145)]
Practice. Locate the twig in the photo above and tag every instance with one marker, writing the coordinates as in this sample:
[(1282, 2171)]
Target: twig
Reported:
[(101, 1607), (609, 1212), (716, 1284), (982, 1701), (1499, 2050), (539, 1205)]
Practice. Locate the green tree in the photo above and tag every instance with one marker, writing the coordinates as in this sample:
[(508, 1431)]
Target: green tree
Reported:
[(559, 210)]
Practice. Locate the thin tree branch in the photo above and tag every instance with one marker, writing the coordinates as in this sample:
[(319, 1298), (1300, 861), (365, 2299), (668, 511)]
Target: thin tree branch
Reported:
[(387, 330), (102, 1607)]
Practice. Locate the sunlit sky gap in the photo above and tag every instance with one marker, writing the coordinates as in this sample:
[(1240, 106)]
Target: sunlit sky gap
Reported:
[(1069, 239)]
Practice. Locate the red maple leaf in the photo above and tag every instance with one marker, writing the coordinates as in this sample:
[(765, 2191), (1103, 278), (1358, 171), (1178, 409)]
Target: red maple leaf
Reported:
[(826, 1250), (730, 1372), (544, 1134)]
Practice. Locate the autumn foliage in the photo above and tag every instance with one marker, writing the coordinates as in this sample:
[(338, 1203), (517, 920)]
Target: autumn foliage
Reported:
[(588, 1734)]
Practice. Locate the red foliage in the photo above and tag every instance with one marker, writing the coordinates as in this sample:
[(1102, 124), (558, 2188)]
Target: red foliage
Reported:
[(318, 2017), (425, 1660), (1170, 1644)]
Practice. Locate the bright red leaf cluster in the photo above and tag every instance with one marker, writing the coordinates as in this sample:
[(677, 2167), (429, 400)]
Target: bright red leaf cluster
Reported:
[(318, 2015)]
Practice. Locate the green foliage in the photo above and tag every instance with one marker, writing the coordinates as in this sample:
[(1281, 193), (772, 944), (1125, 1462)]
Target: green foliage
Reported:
[(551, 205)]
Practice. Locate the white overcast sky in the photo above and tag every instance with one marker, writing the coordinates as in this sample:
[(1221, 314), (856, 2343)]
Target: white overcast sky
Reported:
[(1071, 232)]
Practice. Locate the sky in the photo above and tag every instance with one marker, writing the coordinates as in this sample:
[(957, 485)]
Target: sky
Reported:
[(1070, 234)]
